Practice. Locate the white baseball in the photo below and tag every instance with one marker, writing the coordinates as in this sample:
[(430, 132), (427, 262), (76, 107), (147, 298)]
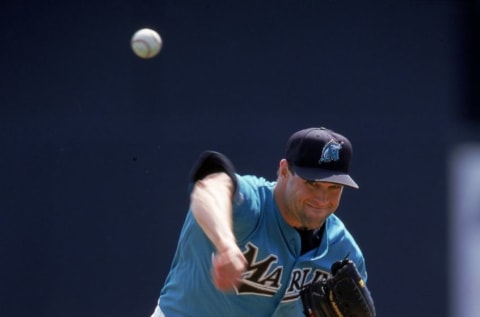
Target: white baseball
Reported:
[(146, 43)]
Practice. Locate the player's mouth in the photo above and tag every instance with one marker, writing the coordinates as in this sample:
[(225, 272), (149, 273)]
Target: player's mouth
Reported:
[(319, 207)]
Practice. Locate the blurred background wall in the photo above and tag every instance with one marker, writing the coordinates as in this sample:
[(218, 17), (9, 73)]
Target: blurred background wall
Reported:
[(97, 144)]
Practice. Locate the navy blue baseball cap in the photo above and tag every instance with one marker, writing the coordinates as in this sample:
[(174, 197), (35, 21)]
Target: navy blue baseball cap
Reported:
[(321, 155)]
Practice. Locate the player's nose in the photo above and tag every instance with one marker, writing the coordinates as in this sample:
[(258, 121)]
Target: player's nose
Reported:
[(320, 195)]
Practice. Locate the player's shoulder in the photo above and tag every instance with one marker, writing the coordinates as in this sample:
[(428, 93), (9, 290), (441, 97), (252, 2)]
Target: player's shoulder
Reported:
[(335, 223), (253, 188), (253, 182), (342, 241), (338, 232)]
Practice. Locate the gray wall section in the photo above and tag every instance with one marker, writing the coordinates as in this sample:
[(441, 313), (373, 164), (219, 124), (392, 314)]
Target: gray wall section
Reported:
[(97, 144)]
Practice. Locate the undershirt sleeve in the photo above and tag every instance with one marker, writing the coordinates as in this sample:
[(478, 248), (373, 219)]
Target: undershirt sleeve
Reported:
[(211, 162)]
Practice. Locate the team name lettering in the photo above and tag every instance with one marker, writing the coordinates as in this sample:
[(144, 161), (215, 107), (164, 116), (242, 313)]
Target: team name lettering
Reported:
[(263, 276), (260, 277)]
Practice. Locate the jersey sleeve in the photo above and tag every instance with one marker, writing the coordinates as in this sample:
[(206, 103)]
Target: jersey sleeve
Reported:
[(249, 201)]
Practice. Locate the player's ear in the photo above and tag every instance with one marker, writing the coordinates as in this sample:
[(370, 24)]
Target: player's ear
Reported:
[(283, 169)]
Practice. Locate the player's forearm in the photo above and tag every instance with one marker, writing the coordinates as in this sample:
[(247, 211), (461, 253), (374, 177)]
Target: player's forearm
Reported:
[(211, 206)]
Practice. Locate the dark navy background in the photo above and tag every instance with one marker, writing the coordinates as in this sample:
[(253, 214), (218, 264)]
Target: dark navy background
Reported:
[(97, 144)]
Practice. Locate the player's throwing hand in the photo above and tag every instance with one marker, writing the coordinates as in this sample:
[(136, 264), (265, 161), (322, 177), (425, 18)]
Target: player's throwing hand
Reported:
[(228, 267)]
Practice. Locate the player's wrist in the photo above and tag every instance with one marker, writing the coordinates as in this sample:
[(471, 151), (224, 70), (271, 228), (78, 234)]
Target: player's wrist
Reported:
[(226, 245)]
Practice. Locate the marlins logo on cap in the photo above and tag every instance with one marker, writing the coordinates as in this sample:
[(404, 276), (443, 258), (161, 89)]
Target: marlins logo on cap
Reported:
[(322, 155), (330, 152)]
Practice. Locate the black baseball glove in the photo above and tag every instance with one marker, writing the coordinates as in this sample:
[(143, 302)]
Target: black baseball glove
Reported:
[(342, 295)]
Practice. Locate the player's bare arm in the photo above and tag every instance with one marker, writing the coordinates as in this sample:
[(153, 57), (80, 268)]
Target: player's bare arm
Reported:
[(211, 205)]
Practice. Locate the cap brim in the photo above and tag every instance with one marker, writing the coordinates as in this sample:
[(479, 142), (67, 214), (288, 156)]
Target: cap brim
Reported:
[(323, 175)]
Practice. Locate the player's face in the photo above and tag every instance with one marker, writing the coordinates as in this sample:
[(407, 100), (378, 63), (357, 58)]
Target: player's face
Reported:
[(310, 203)]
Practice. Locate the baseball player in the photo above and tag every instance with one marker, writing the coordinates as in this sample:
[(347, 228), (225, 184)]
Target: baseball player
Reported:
[(250, 246)]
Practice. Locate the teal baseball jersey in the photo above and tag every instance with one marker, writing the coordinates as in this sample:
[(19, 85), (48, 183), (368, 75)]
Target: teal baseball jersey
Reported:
[(276, 272)]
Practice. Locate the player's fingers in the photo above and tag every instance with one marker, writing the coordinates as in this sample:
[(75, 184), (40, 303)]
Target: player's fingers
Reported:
[(227, 269), (225, 282), (230, 261), (227, 272), (224, 285)]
